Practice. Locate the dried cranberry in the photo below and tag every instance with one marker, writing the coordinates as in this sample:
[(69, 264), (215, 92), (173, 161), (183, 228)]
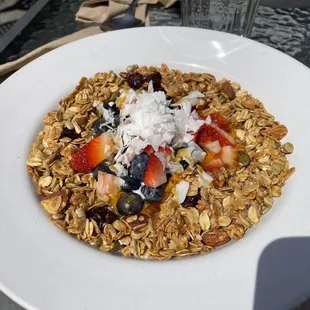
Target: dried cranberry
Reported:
[(191, 201), (70, 133), (156, 78), (102, 216), (135, 80), (160, 89)]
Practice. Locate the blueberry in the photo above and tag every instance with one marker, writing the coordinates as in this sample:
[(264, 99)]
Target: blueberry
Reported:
[(102, 216), (129, 204), (113, 108), (152, 194), (103, 167), (100, 127), (70, 133), (135, 80), (138, 166), (184, 164), (131, 184)]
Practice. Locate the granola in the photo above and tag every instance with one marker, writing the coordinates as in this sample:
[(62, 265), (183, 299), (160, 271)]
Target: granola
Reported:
[(156, 163)]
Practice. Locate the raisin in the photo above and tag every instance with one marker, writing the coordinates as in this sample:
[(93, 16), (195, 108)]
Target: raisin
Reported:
[(156, 79), (191, 201), (70, 133), (102, 216), (135, 80)]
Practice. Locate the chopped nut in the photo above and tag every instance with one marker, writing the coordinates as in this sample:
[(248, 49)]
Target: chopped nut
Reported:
[(227, 90), (278, 132), (56, 202), (215, 238)]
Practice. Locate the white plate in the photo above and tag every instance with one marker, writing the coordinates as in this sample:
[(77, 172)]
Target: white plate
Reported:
[(43, 268)]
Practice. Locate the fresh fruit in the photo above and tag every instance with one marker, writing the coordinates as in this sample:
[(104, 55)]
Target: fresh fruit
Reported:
[(184, 164), (102, 216), (156, 79), (191, 201), (130, 184), (112, 121), (213, 164), (107, 183), (213, 147), (129, 204), (149, 150), (103, 167), (93, 153), (135, 80), (219, 121), (211, 133), (155, 174), (138, 166), (152, 194), (166, 150), (70, 133), (229, 156), (100, 127)]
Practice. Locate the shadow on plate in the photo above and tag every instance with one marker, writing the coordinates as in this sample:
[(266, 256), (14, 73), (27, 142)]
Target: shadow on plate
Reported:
[(283, 275)]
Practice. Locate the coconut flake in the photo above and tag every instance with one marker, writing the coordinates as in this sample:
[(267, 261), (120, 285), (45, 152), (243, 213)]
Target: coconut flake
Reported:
[(138, 191), (208, 120), (204, 178), (181, 191)]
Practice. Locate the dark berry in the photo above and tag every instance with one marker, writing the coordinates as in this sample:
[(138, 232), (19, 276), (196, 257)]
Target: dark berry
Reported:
[(131, 184), (102, 216), (191, 201), (152, 194), (159, 89), (168, 97), (184, 164), (112, 108), (103, 125), (129, 204), (156, 78), (70, 133), (103, 167), (138, 166), (100, 127), (135, 80)]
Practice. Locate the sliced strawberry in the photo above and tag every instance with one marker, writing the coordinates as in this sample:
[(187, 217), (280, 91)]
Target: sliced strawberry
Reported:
[(107, 183), (155, 174), (213, 164), (93, 153), (220, 121), (229, 156), (211, 133), (195, 135), (214, 147), (166, 150)]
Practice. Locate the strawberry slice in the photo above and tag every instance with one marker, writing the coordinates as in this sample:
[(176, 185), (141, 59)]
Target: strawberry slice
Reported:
[(229, 156), (220, 121), (211, 133), (149, 150), (213, 164), (155, 174), (107, 183), (166, 150), (93, 153)]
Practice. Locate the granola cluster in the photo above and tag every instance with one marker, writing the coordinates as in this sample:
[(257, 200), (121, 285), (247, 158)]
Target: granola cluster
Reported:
[(210, 216)]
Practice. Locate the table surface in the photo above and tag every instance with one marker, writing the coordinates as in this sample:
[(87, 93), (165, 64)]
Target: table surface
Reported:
[(287, 30)]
